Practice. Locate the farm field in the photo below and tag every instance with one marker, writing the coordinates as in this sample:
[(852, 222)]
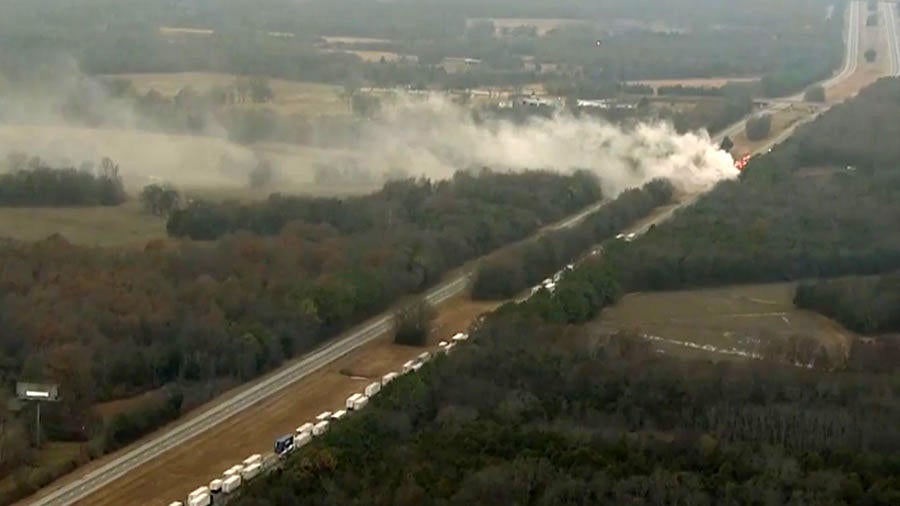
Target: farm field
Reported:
[(742, 317), (290, 97), (125, 225)]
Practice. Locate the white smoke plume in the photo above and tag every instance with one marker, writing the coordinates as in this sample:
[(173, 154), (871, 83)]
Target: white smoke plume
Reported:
[(436, 137), (433, 137)]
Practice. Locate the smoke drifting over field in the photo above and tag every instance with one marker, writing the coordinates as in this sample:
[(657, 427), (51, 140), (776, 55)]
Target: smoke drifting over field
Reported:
[(432, 137), (436, 137)]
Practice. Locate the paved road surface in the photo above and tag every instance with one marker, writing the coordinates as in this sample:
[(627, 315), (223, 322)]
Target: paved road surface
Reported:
[(362, 335), (889, 22)]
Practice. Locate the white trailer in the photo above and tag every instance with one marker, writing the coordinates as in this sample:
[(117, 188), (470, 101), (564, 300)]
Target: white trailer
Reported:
[(337, 415), (302, 439), (215, 486), (408, 366), (176, 503), (253, 459), (387, 378), (424, 357), (352, 399), (199, 497), (360, 403), (231, 484), (305, 428), (250, 472), (449, 347), (320, 428), (325, 415), (417, 366), (372, 389), (199, 491), (460, 336)]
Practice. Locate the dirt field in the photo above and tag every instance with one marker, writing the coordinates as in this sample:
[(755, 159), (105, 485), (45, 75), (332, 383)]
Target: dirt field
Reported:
[(290, 97), (92, 226), (177, 472), (741, 317), (700, 82)]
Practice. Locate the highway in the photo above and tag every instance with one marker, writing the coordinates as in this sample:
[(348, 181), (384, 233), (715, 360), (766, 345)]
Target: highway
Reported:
[(130, 459), (889, 22)]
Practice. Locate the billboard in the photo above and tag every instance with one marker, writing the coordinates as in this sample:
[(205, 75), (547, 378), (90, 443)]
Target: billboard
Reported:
[(37, 391)]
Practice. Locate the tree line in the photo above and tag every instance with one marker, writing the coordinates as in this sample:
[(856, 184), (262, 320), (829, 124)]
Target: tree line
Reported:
[(533, 412), (512, 270), (33, 182), (769, 40), (866, 304), (178, 322), (821, 204)]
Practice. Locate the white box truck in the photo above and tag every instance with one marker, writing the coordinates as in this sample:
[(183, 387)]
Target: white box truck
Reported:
[(387, 378), (352, 399), (460, 336), (373, 389), (231, 484), (253, 459), (325, 415), (408, 366), (417, 366), (176, 503), (215, 486), (337, 415), (450, 347), (360, 402), (250, 472), (320, 428), (306, 427), (424, 357), (302, 439)]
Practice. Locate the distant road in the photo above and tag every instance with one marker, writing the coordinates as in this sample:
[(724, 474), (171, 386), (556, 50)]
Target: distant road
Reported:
[(889, 21), (327, 353)]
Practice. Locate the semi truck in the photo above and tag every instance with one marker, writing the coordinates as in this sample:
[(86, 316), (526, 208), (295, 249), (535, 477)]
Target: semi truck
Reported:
[(283, 445)]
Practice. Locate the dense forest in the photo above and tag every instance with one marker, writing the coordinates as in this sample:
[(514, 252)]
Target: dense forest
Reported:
[(181, 321), (867, 304), (514, 269), (789, 44), (536, 413), (823, 203), (30, 182)]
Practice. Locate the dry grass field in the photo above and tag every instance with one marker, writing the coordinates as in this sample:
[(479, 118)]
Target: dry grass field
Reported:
[(125, 225), (741, 317), (291, 97)]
